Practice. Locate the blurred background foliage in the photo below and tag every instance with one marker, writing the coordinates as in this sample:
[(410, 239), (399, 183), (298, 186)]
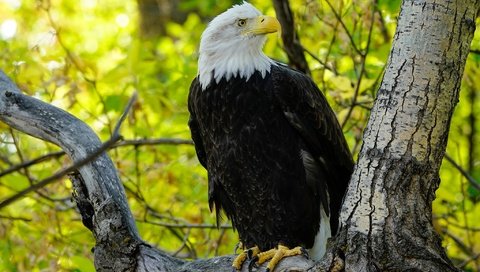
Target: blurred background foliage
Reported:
[(88, 57)]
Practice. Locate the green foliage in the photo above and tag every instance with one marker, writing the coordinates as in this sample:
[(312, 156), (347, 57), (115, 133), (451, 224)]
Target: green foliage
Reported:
[(87, 58)]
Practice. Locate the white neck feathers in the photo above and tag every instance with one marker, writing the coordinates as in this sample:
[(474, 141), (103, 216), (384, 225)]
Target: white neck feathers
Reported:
[(231, 59)]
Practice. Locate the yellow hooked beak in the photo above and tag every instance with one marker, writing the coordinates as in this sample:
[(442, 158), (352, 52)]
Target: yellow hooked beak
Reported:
[(263, 25)]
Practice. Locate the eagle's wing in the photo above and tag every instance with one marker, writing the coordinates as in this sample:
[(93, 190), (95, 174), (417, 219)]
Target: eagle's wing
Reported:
[(195, 92), (216, 195), (307, 110), (193, 124)]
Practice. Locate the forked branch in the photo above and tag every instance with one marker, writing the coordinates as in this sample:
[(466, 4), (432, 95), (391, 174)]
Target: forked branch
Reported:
[(99, 192)]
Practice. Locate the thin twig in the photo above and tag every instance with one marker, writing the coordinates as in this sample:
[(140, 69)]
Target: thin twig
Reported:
[(29, 163), (185, 244), (461, 245), (464, 173), (188, 226), (132, 101), (349, 35), (158, 141), (456, 225), (471, 259), (324, 64), (383, 26), (329, 49), (16, 218), (60, 173), (362, 67), (475, 51), (122, 143)]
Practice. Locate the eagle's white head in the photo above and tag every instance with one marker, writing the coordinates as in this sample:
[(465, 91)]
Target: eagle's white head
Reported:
[(232, 45)]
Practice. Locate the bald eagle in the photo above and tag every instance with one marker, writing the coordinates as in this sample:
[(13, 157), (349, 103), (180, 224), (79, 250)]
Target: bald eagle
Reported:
[(277, 161)]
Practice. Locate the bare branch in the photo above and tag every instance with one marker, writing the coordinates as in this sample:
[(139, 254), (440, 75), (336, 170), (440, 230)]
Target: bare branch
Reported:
[(57, 175), (464, 173), (121, 143), (475, 51), (363, 56), (115, 137), (29, 163), (132, 100), (350, 37), (99, 191), (326, 65), (158, 141), (188, 226), (293, 47)]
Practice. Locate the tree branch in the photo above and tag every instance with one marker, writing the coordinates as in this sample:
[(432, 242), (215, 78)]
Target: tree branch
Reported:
[(98, 191), (115, 137), (120, 143), (475, 184), (31, 162), (293, 47)]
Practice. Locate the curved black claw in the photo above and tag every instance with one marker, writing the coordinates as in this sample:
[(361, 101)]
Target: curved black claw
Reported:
[(237, 246), (305, 253), (250, 254), (252, 263)]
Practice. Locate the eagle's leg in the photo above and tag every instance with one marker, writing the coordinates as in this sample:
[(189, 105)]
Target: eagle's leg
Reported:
[(240, 259), (275, 255)]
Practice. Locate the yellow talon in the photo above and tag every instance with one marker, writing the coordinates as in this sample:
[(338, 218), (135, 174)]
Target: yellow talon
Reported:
[(265, 256), (240, 259), (280, 253), (275, 255)]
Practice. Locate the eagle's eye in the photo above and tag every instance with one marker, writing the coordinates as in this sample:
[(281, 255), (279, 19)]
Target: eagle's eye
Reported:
[(241, 22)]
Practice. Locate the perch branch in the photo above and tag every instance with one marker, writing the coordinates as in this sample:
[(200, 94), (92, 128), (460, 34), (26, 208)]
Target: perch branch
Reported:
[(118, 244)]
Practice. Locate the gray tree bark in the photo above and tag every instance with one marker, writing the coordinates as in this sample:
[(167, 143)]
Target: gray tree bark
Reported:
[(386, 217), (387, 214)]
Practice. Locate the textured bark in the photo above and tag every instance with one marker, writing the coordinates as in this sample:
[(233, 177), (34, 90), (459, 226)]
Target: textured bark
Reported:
[(387, 214)]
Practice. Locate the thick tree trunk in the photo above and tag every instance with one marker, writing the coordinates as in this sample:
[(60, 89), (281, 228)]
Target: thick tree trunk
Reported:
[(387, 214)]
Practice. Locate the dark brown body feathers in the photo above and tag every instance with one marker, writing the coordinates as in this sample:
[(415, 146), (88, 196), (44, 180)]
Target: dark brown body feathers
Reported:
[(253, 138)]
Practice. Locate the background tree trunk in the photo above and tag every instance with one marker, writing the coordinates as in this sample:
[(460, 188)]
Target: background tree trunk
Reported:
[(291, 42), (387, 214), (155, 14)]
